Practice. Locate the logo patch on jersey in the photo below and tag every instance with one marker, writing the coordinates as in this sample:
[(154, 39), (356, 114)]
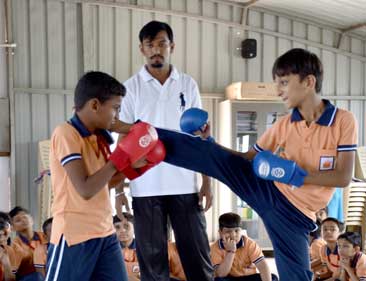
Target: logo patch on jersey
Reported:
[(326, 163)]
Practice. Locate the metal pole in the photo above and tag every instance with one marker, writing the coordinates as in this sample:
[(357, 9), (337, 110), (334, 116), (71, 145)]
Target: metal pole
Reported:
[(10, 70)]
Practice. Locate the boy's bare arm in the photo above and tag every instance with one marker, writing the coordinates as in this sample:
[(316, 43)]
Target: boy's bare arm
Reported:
[(88, 186), (264, 270), (5, 262), (224, 268), (340, 177)]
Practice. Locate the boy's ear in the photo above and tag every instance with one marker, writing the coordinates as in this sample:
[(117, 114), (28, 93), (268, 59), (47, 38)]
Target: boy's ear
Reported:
[(357, 248), (310, 81), (94, 104)]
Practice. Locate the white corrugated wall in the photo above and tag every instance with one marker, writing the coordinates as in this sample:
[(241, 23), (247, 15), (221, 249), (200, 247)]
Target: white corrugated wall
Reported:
[(58, 40)]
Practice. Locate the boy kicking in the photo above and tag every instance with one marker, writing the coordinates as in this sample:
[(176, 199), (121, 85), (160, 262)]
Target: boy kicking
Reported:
[(316, 145)]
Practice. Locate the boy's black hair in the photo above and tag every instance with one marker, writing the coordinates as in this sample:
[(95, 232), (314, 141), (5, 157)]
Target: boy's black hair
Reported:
[(16, 210), (128, 216), (337, 222), (4, 224), (46, 223), (229, 220), (151, 29), (96, 85), (301, 62), (353, 237), (5, 216)]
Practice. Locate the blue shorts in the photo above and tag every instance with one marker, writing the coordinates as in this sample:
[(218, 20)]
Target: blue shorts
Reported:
[(287, 227), (97, 259)]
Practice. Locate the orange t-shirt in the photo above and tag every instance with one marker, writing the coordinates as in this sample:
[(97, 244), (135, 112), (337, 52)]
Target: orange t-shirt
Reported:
[(314, 148), (15, 255), (358, 264), (69, 142), (247, 255), (27, 266), (331, 259), (175, 265), (130, 258), (315, 248), (40, 256)]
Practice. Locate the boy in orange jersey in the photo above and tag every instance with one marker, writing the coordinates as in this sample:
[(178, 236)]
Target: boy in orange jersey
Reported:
[(316, 144), (126, 237), (9, 257), (26, 239), (40, 253), (329, 262), (83, 243), (353, 261), (176, 270), (235, 256)]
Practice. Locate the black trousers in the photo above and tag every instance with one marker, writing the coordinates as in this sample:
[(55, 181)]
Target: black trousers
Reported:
[(189, 226)]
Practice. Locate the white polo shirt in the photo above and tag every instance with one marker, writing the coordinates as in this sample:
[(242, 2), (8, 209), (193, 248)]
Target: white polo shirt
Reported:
[(162, 106)]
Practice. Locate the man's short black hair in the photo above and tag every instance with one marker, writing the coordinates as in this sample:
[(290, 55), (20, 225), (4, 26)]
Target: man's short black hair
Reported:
[(128, 216), (337, 222), (151, 29), (16, 210), (98, 85), (353, 237), (229, 220), (46, 223), (301, 62)]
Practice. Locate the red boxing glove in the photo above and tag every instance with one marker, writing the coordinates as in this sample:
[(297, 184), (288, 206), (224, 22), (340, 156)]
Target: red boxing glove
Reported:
[(153, 158), (140, 140)]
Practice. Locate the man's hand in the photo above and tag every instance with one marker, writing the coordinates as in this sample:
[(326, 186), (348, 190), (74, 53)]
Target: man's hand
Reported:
[(205, 192), (120, 201)]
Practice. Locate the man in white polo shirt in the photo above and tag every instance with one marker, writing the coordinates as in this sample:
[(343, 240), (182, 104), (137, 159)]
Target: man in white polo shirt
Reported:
[(159, 94)]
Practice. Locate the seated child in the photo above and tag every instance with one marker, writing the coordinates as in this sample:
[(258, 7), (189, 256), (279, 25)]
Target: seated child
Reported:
[(353, 261), (235, 256), (328, 263), (175, 265), (40, 253), (9, 258), (5, 216), (27, 240), (316, 243), (125, 234)]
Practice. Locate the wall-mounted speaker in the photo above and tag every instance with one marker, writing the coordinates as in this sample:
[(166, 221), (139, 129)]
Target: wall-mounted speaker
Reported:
[(249, 48)]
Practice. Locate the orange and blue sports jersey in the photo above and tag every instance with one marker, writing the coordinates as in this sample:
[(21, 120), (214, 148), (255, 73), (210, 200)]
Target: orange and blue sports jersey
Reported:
[(315, 248), (314, 148), (175, 265), (247, 255), (358, 266), (72, 141), (40, 256), (130, 258), (330, 258), (28, 246), (288, 214), (15, 255)]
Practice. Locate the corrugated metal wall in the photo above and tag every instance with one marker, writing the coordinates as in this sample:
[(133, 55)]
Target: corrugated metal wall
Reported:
[(58, 40)]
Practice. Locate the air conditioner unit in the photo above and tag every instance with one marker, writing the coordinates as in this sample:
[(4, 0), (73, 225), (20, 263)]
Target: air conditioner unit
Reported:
[(252, 91)]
